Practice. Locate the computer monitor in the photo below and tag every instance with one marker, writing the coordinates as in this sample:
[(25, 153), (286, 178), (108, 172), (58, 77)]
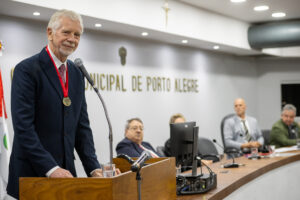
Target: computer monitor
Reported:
[(182, 143)]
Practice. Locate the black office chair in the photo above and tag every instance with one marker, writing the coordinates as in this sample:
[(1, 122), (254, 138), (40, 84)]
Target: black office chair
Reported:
[(207, 149), (222, 128), (230, 151), (266, 135)]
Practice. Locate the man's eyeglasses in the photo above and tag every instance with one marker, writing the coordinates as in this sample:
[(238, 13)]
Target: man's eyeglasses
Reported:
[(135, 128)]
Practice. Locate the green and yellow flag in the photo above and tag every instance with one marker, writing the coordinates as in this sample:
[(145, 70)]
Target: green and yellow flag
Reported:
[(4, 144)]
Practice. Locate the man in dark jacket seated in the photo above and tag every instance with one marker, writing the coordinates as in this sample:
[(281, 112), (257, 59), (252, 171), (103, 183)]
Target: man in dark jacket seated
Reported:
[(133, 144)]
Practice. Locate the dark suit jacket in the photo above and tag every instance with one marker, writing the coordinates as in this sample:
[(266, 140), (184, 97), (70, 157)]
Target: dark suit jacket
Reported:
[(132, 149), (45, 131)]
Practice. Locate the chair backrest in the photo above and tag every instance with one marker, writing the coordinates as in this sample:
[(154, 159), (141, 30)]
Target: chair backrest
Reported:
[(222, 127), (266, 135), (161, 150), (206, 147)]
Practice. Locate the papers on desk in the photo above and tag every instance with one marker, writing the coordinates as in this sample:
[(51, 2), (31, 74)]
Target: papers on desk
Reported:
[(281, 152), (286, 149)]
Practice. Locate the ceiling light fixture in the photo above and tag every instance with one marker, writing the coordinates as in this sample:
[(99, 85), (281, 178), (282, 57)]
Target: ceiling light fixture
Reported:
[(144, 34), (216, 47), (36, 14), (184, 41), (261, 8), (237, 1), (98, 25), (278, 14)]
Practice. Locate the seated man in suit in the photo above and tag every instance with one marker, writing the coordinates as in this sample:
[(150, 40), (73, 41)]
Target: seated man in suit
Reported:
[(176, 118), (133, 144), (285, 131), (242, 131)]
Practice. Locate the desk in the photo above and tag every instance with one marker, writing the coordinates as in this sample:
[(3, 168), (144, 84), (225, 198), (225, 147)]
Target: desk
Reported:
[(264, 177)]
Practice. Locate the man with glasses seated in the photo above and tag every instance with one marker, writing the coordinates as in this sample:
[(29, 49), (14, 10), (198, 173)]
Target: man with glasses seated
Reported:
[(133, 144), (285, 131)]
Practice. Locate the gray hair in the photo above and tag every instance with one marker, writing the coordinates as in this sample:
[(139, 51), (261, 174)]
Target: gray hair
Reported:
[(54, 22), (130, 120), (289, 107)]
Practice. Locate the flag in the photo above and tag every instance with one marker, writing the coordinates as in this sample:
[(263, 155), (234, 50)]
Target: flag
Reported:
[(4, 144)]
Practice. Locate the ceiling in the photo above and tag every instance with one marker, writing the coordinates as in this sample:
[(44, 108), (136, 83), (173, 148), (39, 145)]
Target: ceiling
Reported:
[(244, 11)]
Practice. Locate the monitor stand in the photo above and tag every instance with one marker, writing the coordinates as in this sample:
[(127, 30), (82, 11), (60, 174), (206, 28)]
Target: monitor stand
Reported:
[(195, 183)]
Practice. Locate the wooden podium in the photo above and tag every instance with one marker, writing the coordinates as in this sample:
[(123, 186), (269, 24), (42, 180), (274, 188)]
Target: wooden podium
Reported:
[(158, 182)]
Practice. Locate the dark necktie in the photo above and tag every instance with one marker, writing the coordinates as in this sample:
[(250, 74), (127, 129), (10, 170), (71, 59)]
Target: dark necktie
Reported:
[(248, 136), (62, 70)]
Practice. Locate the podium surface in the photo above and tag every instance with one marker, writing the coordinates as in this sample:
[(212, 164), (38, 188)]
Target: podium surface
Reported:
[(158, 182)]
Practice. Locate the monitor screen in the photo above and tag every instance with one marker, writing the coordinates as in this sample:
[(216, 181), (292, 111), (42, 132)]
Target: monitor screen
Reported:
[(182, 138)]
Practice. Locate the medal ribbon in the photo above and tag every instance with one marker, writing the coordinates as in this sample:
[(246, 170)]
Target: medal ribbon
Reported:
[(65, 87)]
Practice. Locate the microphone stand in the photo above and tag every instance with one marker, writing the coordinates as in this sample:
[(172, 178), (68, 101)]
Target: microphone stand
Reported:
[(109, 125), (79, 64), (139, 180), (228, 152)]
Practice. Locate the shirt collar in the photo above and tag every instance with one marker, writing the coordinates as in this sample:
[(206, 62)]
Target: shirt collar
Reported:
[(57, 62), (242, 119)]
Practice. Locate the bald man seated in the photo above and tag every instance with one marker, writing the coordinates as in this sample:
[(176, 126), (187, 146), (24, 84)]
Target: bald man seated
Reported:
[(242, 131)]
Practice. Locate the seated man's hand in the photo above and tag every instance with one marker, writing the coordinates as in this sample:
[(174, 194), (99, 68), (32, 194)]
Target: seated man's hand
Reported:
[(61, 173), (246, 145), (207, 162), (255, 144)]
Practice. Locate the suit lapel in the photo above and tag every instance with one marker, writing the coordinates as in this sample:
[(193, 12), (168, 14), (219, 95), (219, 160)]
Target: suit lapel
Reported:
[(50, 72), (239, 125)]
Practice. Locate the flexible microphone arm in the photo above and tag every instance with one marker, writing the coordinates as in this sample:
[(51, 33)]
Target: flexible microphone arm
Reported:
[(228, 151), (79, 64), (126, 157)]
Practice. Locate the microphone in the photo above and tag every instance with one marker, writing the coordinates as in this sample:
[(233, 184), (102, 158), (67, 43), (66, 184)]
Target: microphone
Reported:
[(138, 164), (78, 63), (215, 141), (228, 151), (126, 157)]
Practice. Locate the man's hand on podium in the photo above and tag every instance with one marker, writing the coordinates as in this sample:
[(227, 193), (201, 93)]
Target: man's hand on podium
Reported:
[(97, 173), (61, 173)]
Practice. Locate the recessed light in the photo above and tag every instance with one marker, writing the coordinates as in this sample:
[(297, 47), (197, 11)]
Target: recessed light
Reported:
[(144, 34), (98, 25), (36, 14), (216, 47), (184, 41), (261, 8), (237, 1), (278, 14)]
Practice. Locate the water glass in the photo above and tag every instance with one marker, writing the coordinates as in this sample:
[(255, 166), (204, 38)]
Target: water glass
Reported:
[(109, 170), (271, 149), (178, 170), (254, 151), (298, 143)]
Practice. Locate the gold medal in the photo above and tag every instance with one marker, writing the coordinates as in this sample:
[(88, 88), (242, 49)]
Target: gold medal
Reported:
[(66, 101)]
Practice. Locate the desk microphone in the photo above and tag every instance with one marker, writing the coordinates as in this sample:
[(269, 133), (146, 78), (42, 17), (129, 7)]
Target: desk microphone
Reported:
[(78, 63), (215, 141), (228, 151), (138, 164)]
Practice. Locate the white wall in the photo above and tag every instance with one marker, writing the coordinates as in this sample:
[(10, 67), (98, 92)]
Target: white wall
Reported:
[(221, 78), (271, 73)]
